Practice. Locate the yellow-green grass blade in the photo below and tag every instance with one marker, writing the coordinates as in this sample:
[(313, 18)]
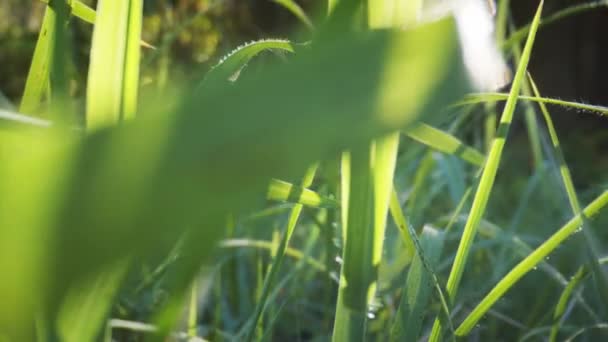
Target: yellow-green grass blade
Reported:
[(446, 143), (485, 97), (530, 262), (38, 75), (280, 253), (114, 69), (368, 172), (297, 11), (279, 190), (488, 176)]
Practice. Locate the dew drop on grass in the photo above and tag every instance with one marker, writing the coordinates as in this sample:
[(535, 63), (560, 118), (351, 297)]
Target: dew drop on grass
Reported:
[(371, 315), (339, 259)]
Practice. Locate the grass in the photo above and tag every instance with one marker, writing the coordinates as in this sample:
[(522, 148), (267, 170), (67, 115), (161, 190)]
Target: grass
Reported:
[(293, 192)]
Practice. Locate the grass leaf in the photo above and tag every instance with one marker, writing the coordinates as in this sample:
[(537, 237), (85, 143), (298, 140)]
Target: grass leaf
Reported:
[(488, 176)]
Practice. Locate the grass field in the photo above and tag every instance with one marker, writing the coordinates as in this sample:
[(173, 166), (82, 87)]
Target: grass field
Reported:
[(348, 184)]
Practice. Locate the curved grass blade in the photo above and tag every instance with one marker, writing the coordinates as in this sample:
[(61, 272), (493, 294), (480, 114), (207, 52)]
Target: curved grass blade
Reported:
[(229, 67), (530, 262), (487, 177), (445, 142), (294, 216), (560, 307), (487, 97), (279, 190), (297, 11)]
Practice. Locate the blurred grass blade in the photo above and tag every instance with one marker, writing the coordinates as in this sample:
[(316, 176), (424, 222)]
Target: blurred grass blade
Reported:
[(280, 253), (297, 11), (485, 97), (17, 120), (131, 190), (418, 288), (445, 142), (488, 176), (114, 69), (111, 95), (230, 66), (38, 76), (85, 309), (287, 192), (530, 262)]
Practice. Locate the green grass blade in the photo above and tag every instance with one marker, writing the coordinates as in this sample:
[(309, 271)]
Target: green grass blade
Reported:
[(297, 11), (446, 143), (269, 280), (488, 176), (485, 97), (418, 288), (229, 67), (38, 75), (114, 72), (279, 190), (530, 262)]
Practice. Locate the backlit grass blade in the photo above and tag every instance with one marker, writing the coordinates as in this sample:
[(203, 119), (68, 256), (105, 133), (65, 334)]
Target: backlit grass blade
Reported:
[(114, 69), (297, 11), (418, 288), (269, 280), (368, 172), (38, 76), (446, 143), (229, 67), (9, 120), (485, 97), (488, 176), (530, 262), (279, 190)]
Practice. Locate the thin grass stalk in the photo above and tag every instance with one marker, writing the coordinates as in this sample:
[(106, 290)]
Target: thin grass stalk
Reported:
[(486, 182), (279, 255), (530, 262), (530, 117)]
